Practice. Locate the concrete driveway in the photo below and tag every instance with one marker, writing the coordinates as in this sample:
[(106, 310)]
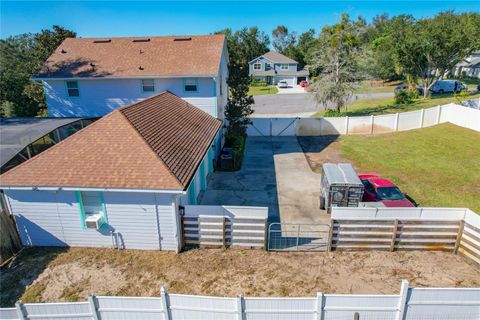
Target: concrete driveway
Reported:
[(275, 173), (297, 105)]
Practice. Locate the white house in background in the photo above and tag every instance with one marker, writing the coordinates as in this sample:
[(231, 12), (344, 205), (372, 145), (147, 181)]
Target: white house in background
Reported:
[(273, 67), (120, 180), (470, 67), (90, 77)]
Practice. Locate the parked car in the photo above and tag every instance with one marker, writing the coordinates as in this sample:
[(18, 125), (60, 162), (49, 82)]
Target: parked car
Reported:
[(304, 84), (444, 86), (340, 186), (283, 84), (378, 189), (405, 87)]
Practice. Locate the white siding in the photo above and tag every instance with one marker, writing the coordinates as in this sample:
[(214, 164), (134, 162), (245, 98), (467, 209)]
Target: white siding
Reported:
[(100, 96), (143, 220)]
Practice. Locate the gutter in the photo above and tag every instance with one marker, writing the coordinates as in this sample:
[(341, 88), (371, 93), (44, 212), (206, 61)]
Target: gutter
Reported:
[(35, 188), (123, 78)]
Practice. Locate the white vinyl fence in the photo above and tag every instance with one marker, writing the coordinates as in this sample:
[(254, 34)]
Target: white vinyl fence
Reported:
[(225, 226), (452, 229), (409, 304), (456, 114)]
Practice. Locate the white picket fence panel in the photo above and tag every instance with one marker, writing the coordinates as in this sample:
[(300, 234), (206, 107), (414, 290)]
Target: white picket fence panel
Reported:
[(409, 304), (456, 114)]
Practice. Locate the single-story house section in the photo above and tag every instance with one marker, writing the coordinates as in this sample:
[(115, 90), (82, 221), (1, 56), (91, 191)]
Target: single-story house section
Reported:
[(118, 181), (273, 67), (469, 67)]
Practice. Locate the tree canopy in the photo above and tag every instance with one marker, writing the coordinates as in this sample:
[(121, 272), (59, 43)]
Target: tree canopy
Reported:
[(21, 57)]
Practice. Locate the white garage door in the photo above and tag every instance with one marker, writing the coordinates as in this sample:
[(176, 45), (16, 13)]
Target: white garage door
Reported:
[(290, 80)]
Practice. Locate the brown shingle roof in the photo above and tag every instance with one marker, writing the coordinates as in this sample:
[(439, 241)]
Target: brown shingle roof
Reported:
[(125, 57), (156, 143), (277, 57)]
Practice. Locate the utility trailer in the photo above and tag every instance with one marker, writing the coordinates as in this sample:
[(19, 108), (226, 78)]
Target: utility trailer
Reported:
[(340, 186)]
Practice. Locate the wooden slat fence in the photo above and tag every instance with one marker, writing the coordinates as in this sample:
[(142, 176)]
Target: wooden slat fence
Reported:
[(222, 226), (447, 229)]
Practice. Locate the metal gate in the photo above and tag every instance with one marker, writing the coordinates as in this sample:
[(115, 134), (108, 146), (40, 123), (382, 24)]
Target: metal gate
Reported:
[(298, 237)]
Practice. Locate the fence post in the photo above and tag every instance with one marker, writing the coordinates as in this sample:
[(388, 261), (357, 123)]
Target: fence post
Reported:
[(298, 235), (20, 312), (330, 236), (439, 113), (402, 301), (266, 235), (319, 306), (422, 117), (239, 308), (371, 123), (224, 236), (346, 125), (93, 307), (165, 304), (394, 235), (397, 116), (459, 236)]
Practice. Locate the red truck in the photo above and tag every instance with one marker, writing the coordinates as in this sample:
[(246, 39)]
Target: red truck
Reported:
[(378, 189)]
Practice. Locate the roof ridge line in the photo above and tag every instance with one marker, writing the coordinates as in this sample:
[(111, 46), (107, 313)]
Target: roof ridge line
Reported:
[(145, 142)]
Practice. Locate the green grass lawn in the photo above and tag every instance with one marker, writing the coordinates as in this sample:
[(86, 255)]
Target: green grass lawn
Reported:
[(377, 86), (386, 105), (437, 166), (255, 91)]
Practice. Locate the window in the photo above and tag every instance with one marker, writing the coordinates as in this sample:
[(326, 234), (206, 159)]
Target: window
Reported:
[(91, 203), (284, 66), (268, 66), (72, 89), (221, 85), (190, 85), (257, 66), (148, 85)]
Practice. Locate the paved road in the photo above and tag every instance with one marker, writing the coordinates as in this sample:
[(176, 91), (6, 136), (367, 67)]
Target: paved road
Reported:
[(300, 104)]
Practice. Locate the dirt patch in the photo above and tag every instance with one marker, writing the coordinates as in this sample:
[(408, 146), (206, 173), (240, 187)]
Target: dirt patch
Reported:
[(319, 150), (75, 274)]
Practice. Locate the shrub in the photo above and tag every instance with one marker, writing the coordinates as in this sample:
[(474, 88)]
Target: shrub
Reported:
[(333, 113), (405, 96), (259, 83), (237, 143)]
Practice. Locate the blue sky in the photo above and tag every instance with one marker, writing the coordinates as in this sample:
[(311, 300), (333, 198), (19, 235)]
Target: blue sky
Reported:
[(128, 18)]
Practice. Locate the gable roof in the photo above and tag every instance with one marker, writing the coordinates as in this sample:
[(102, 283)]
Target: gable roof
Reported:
[(157, 143), (135, 57), (277, 57)]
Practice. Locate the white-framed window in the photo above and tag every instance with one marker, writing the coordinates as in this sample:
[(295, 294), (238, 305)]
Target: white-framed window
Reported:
[(148, 85), (190, 85), (72, 88), (284, 66), (92, 202), (257, 66), (92, 209)]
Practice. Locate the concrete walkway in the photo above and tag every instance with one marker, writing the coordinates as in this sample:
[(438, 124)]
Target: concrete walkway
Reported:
[(275, 173)]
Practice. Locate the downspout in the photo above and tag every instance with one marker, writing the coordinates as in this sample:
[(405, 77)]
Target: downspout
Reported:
[(215, 95)]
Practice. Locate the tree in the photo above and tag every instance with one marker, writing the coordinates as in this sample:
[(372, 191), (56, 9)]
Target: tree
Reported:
[(428, 48), (282, 39), (336, 59), (20, 58)]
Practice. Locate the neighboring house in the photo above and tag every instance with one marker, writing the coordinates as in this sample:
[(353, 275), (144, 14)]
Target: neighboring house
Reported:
[(470, 67), (90, 77), (22, 138), (120, 180), (273, 67)]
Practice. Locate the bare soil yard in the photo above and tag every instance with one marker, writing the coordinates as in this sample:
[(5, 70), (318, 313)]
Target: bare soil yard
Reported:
[(47, 275)]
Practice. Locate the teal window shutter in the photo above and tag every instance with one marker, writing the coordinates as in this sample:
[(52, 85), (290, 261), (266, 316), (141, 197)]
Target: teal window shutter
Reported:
[(81, 209)]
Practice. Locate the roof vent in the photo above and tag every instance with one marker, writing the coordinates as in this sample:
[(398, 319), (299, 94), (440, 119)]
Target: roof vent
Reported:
[(183, 39), (102, 41), (63, 51), (141, 68), (141, 40), (92, 65)]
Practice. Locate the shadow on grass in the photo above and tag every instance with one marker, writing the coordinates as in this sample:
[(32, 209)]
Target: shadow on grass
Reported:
[(23, 271)]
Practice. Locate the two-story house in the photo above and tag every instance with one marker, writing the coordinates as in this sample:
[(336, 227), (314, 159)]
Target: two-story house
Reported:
[(273, 67), (90, 77)]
